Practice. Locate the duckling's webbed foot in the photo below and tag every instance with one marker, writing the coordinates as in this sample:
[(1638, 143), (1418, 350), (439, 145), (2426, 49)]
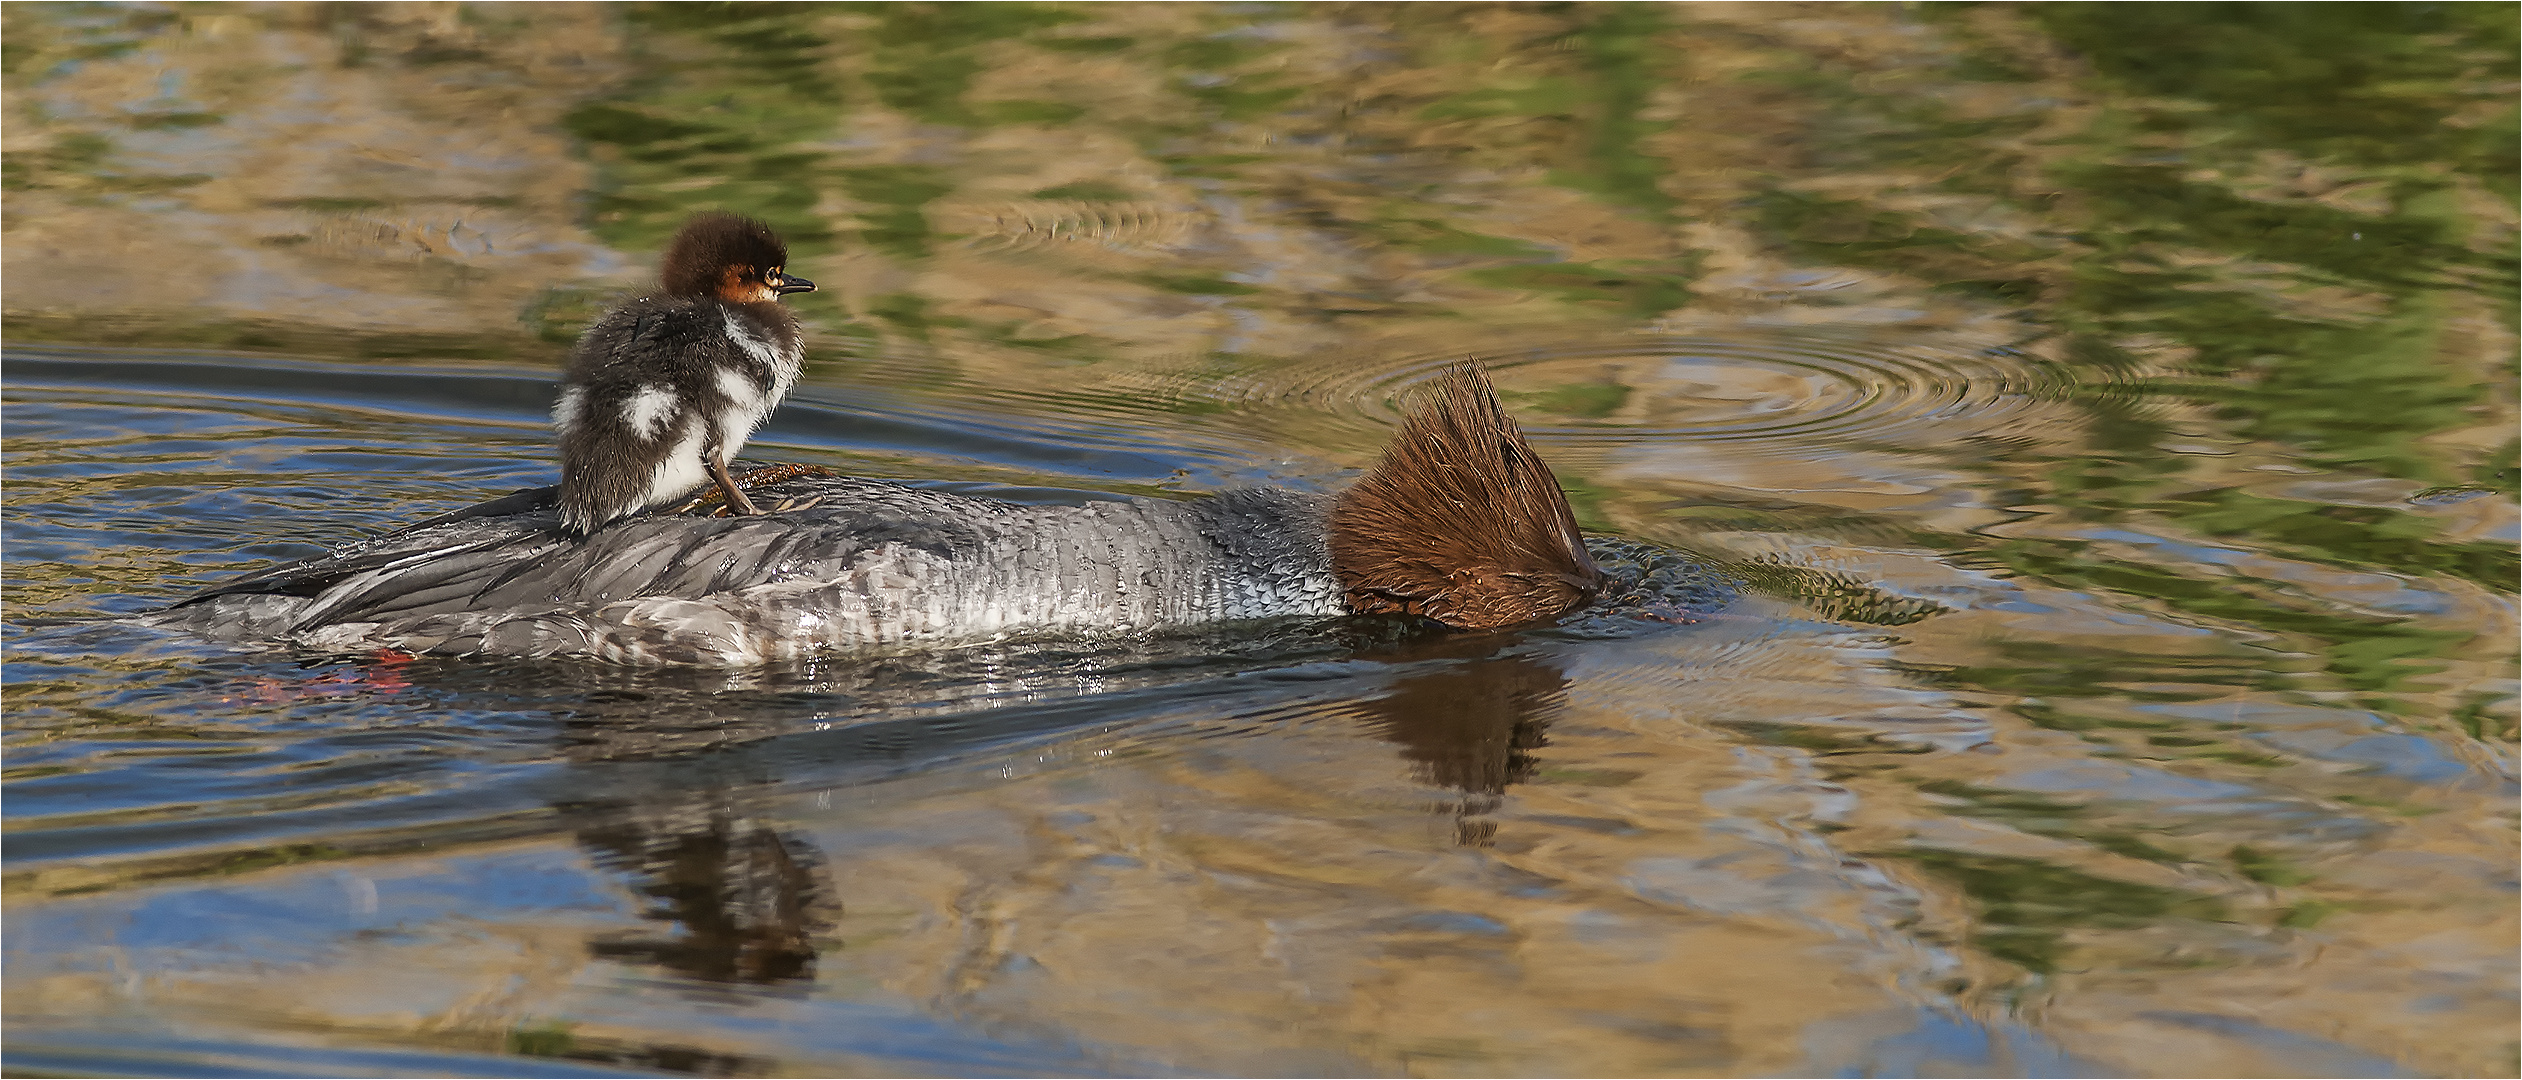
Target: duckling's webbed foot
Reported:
[(712, 501), (737, 503)]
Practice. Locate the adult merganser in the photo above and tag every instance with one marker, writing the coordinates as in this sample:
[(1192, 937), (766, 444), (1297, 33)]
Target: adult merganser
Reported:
[(662, 391), (1459, 522)]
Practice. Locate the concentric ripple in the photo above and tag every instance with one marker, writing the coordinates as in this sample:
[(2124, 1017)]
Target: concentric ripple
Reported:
[(1771, 386), (1763, 392)]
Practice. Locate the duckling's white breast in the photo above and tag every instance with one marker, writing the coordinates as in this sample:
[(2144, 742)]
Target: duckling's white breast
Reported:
[(782, 359)]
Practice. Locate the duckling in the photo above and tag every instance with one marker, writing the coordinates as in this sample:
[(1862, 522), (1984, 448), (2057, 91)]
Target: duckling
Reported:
[(662, 391)]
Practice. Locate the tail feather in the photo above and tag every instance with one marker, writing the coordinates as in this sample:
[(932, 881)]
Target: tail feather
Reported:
[(1461, 521)]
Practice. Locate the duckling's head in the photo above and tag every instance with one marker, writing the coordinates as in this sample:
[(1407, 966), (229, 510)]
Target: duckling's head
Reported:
[(732, 257)]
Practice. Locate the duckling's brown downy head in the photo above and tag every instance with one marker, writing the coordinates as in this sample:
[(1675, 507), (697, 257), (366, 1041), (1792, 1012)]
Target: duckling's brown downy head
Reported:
[(732, 257), (1461, 522)]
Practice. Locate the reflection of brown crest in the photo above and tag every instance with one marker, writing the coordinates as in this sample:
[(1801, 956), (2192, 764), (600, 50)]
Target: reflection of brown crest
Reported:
[(745, 900), (1473, 727), (1461, 521)]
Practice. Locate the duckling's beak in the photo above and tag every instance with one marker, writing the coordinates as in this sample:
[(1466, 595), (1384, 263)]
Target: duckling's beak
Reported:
[(783, 284)]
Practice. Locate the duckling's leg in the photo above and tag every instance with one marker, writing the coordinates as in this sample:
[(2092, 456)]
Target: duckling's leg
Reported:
[(737, 503)]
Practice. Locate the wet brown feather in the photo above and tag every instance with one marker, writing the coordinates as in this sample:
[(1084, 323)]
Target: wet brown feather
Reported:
[(1461, 521)]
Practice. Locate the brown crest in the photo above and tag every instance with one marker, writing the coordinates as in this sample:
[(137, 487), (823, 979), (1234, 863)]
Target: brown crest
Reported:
[(716, 248), (1461, 521)]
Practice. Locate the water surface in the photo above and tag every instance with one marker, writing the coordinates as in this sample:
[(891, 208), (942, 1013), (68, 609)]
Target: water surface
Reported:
[(2101, 420)]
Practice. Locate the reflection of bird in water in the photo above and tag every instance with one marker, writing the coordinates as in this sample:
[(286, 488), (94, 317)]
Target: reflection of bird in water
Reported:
[(1460, 522), (746, 901)]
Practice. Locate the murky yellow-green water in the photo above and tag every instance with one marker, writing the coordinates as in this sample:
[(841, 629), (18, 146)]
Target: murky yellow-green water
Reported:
[(2104, 413)]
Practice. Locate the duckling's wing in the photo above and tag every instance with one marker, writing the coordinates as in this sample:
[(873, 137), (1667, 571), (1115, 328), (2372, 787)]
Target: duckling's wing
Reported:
[(652, 340)]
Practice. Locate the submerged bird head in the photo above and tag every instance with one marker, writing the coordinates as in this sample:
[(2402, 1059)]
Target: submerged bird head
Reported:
[(1461, 521), (731, 257)]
